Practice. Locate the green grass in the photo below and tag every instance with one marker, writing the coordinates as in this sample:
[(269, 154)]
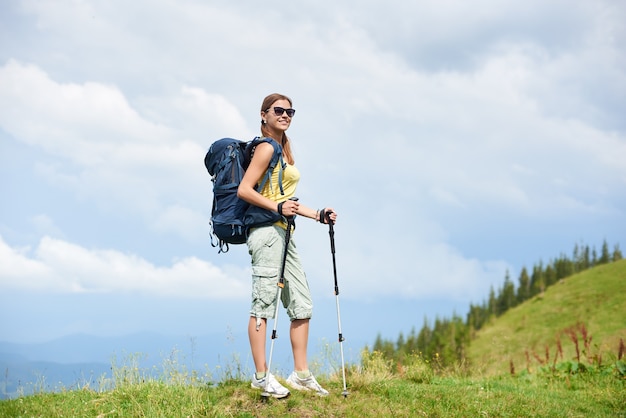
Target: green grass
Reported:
[(374, 391), (591, 384), (594, 299)]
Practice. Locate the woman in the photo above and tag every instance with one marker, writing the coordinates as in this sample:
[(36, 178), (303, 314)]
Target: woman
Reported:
[(266, 246)]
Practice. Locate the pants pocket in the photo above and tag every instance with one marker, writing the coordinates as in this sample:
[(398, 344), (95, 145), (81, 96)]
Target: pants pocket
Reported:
[(264, 285)]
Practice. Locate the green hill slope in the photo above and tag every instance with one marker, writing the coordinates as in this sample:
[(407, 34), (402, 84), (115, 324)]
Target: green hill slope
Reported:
[(595, 298)]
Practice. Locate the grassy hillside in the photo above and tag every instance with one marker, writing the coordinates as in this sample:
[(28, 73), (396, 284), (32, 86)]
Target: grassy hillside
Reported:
[(382, 387), (595, 298), (375, 391)]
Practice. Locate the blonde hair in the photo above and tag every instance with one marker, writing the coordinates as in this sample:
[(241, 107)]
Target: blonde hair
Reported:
[(284, 141)]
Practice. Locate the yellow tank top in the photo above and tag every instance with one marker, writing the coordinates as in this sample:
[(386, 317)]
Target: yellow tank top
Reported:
[(271, 190)]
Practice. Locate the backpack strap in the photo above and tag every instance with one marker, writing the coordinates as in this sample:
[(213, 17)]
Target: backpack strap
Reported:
[(277, 158)]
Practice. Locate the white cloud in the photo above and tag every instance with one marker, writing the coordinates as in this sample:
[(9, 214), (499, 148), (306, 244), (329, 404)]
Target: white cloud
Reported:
[(17, 267), (83, 123), (106, 151), (57, 266)]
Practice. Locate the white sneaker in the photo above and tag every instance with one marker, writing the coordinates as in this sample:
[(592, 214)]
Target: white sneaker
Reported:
[(308, 383), (273, 388)]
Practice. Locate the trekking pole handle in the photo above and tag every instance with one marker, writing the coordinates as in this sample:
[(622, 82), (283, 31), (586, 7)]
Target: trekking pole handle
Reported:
[(280, 208), (290, 219), (331, 231)]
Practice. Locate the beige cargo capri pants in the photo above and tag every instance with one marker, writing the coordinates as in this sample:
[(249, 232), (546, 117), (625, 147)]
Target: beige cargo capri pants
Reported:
[(266, 245)]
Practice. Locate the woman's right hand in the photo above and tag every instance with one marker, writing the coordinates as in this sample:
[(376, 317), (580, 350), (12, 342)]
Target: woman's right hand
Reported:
[(288, 207)]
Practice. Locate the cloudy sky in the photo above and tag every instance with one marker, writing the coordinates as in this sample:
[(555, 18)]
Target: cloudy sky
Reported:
[(457, 140)]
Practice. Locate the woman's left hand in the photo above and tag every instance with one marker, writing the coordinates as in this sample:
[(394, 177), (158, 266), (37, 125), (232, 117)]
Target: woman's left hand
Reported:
[(328, 213)]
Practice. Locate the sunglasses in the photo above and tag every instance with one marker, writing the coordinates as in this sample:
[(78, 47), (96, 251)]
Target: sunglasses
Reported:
[(279, 111)]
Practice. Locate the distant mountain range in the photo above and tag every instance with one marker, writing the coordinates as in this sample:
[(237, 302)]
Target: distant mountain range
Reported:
[(82, 360), (85, 360)]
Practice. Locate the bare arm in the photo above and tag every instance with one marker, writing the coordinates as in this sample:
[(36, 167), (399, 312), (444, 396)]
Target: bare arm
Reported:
[(260, 161)]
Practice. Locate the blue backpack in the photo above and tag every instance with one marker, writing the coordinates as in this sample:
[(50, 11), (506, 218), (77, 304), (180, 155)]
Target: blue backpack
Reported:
[(227, 160)]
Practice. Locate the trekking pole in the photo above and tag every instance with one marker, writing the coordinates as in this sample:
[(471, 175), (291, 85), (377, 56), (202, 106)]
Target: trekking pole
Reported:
[(331, 233), (281, 284)]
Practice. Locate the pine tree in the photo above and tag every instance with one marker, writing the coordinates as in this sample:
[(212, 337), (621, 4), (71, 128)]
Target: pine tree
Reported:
[(424, 337), (475, 317), (585, 260), (523, 290), (563, 267), (617, 253), (537, 282), (400, 345), (549, 275), (492, 304), (605, 257), (506, 299), (411, 342)]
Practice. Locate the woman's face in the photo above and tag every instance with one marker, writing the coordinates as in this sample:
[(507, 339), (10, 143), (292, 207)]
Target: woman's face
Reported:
[(278, 123)]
